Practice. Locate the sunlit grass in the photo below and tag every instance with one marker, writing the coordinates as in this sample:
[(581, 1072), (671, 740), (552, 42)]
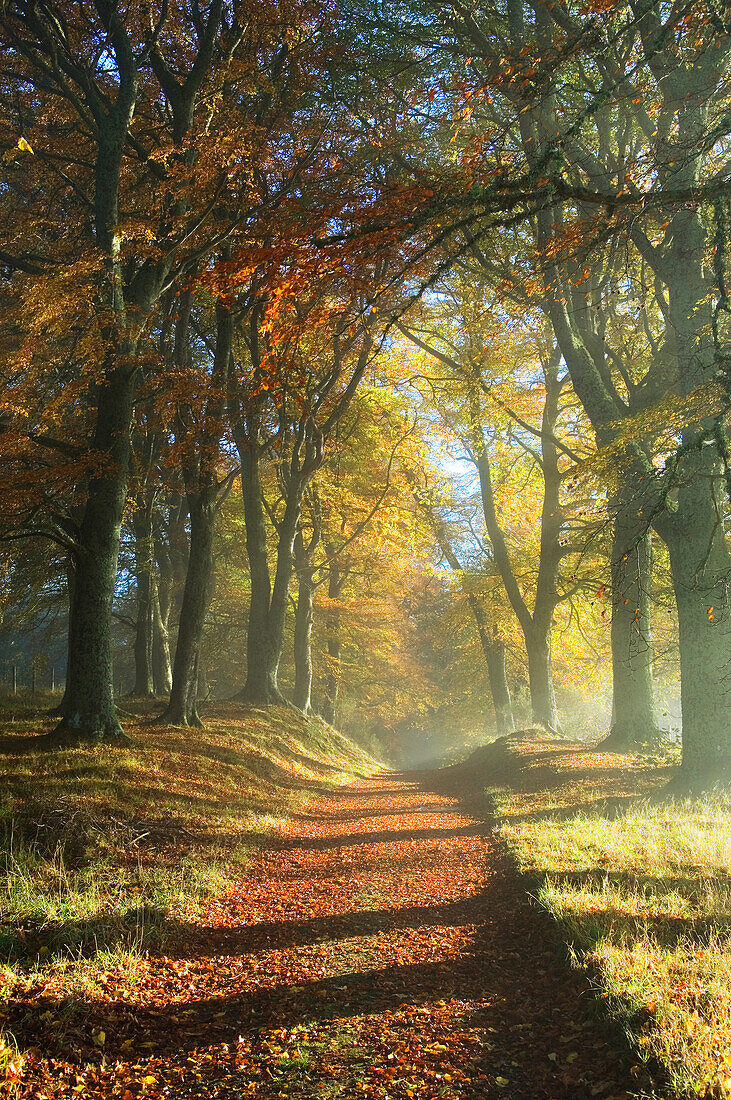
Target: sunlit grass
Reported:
[(642, 891), (662, 839), (679, 997), (11, 1065)]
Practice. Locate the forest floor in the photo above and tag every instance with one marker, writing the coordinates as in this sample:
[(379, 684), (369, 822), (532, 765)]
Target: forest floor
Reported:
[(374, 939), (379, 946)]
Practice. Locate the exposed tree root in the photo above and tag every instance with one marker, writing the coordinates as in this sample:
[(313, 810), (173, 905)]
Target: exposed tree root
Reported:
[(74, 730), (623, 740)]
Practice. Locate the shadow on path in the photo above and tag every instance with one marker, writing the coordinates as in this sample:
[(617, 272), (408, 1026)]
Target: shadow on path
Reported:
[(471, 996)]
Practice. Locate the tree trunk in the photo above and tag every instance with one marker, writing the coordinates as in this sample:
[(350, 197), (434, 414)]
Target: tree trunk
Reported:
[(171, 554), (268, 607), (60, 709), (262, 660), (204, 689), (89, 711), (303, 626), (634, 721), (700, 560), (701, 565), (144, 565), (493, 647), (278, 607), (181, 710), (299, 450), (536, 627), (162, 673), (202, 490), (539, 637), (334, 642), (540, 679), (499, 688)]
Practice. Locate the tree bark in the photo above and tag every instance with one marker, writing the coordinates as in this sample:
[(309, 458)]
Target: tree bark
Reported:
[(701, 566), (181, 710), (162, 673), (540, 679), (144, 566), (171, 555), (60, 709), (269, 602), (202, 491), (262, 657), (493, 647), (303, 551), (634, 720), (89, 710), (536, 627), (499, 687), (694, 529), (336, 582), (494, 650), (298, 451)]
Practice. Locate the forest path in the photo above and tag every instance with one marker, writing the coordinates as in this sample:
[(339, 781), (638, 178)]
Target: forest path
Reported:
[(380, 947)]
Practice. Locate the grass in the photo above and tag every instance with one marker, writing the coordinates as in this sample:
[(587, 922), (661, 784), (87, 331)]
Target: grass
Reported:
[(108, 853), (641, 889)]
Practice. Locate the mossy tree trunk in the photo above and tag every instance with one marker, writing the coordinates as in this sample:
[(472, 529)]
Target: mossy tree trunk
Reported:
[(89, 712), (701, 566)]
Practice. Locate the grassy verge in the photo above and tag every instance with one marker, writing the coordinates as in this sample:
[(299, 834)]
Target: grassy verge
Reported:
[(640, 887), (109, 853)]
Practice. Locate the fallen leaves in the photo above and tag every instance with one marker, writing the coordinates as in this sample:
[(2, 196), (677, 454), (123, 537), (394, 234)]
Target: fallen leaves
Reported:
[(378, 948)]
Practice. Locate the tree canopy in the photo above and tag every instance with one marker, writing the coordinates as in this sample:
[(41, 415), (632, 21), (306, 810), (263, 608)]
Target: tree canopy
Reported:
[(373, 357)]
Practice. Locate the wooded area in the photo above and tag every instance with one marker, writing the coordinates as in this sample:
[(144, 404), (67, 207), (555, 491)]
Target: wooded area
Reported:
[(365, 377), (389, 343)]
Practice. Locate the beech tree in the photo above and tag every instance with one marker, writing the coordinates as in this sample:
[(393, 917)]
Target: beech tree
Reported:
[(106, 127), (147, 178), (464, 337), (200, 427), (300, 373), (586, 122), (493, 645)]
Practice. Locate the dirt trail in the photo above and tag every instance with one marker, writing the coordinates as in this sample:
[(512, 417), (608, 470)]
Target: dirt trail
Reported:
[(379, 948)]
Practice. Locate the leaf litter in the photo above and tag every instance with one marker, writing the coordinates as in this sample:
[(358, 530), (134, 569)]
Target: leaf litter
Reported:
[(380, 946)]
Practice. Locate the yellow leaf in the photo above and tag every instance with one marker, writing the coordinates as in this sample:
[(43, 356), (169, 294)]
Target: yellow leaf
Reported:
[(24, 146)]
